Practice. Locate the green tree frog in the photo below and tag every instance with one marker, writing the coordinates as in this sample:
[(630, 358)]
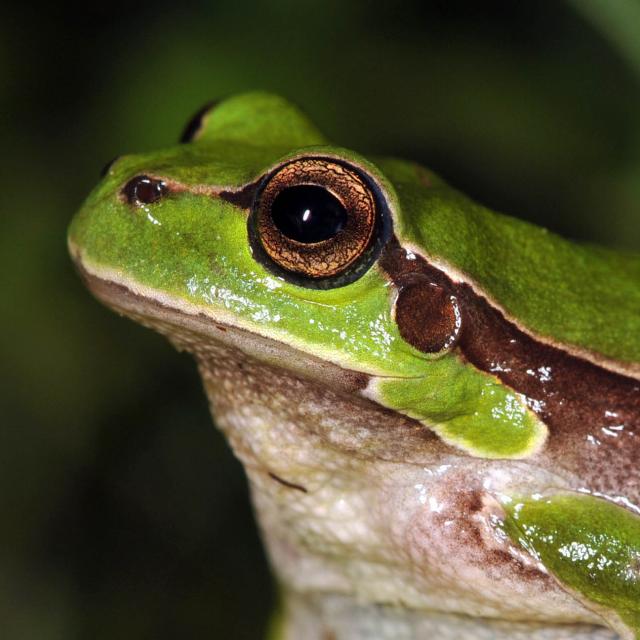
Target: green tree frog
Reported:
[(437, 406)]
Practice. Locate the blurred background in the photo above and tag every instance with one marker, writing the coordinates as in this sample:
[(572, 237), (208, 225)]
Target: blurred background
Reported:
[(123, 512)]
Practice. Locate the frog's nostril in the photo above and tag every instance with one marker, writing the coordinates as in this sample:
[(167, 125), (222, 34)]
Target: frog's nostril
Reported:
[(144, 190), (107, 167)]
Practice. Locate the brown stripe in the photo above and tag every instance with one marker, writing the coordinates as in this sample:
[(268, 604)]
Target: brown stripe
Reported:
[(243, 197), (593, 414)]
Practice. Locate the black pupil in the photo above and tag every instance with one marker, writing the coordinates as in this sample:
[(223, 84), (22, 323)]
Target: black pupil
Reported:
[(308, 213)]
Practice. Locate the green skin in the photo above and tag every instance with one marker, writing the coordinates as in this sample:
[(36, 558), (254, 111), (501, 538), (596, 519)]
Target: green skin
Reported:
[(190, 251)]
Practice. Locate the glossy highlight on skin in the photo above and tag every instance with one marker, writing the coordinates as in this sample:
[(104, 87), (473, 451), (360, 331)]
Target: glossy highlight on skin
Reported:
[(590, 544)]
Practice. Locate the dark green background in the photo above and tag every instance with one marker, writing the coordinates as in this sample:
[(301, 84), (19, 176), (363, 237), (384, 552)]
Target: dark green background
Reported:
[(124, 514)]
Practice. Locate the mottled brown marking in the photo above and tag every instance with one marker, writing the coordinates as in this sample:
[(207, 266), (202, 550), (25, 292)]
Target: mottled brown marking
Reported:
[(474, 502), (593, 413), (470, 535), (286, 483), (427, 317), (526, 573)]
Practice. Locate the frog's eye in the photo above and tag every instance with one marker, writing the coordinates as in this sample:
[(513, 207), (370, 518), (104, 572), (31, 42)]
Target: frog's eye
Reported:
[(318, 222)]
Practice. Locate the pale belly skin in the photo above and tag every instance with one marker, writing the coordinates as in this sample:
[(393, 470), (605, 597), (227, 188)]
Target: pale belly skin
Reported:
[(375, 528)]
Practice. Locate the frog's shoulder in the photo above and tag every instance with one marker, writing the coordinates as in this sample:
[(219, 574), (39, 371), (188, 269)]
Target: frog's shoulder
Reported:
[(578, 296)]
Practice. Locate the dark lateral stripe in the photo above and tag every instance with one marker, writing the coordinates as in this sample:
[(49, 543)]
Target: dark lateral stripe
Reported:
[(593, 414), (243, 197)]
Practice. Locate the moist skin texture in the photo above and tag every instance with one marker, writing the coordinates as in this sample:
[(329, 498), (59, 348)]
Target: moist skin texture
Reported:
[(359, 504)]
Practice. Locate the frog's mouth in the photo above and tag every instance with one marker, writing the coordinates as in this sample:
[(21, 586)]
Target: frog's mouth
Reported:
[(191, 329)]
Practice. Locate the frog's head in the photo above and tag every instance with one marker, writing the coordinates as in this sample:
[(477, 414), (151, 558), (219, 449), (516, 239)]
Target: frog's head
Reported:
[(367, 287), (254, 222)]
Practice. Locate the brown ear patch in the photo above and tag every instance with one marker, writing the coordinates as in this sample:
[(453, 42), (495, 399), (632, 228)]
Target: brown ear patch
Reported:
[(428, 317)]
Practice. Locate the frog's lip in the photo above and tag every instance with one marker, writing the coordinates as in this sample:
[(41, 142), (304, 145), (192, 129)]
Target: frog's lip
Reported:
[(187, 327)]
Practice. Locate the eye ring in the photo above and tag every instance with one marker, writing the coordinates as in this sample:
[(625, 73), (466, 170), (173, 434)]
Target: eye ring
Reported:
[(318, 222)]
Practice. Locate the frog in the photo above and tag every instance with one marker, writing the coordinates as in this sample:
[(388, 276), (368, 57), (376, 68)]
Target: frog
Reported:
[(437, 406)]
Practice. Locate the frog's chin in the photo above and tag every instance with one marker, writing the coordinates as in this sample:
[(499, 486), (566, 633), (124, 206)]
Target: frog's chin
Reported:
[(191, 328)]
